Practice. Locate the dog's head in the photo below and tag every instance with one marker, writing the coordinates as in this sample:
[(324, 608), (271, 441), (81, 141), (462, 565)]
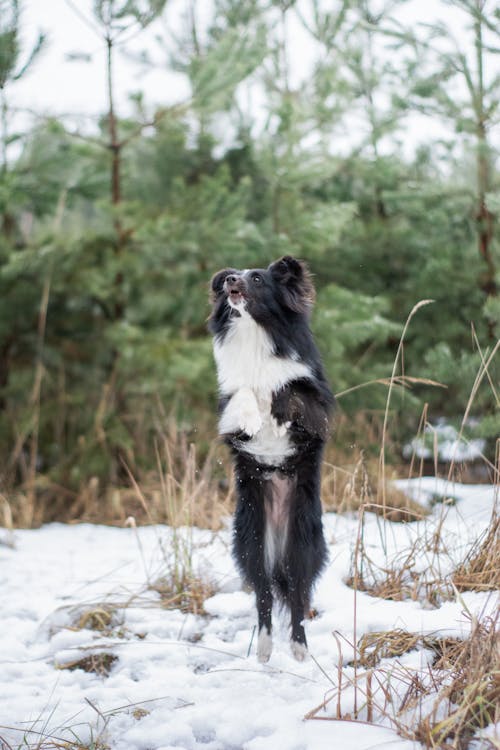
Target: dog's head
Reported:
[(284, 286)]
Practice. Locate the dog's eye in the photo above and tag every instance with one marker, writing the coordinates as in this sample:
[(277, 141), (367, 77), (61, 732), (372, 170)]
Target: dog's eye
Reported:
[(257, 279)]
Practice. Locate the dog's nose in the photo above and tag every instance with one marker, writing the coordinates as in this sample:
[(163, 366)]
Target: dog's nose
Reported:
[(231, 279)]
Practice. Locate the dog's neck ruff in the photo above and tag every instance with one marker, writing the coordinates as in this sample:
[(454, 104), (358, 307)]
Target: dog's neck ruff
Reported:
[(245, 358)]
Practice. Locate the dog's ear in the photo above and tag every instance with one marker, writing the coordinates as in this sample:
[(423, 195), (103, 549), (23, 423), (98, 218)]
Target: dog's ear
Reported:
[(217, 282), (295, 281)]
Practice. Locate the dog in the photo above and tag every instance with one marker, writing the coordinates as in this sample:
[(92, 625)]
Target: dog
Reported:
[(274, 408)]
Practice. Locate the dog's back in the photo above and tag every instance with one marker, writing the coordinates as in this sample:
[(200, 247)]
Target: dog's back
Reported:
[(274, 407)]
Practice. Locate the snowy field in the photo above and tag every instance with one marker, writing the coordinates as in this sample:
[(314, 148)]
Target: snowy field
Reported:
[(192, 681)]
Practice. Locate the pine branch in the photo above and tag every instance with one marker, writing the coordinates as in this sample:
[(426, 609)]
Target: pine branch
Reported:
[(40, 43)]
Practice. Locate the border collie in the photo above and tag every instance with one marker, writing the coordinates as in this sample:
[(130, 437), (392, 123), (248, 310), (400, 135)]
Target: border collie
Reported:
[(274, 408)]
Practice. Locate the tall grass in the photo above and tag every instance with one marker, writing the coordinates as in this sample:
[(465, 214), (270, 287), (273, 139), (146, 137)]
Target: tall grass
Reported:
[(441, 705), (181, 482), (444, 704)]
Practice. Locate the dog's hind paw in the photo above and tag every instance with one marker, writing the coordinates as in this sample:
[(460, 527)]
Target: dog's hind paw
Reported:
[(264, 646), (299, 650)]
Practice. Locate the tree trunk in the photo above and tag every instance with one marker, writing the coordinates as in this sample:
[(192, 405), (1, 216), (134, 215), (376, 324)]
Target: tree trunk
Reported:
[(115, 147), (114, 144), (484, 218), (5, 352), (3, 134)]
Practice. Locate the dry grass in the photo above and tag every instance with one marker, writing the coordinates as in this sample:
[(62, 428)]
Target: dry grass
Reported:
[(442, 705), (350, 487), (32, 738), (373, 647), (470, 694), (99, 663), (50, 743), (188, 490), (101, 618), (402, 576), (480, 571), (140, 713), (183, 485), (181, 481), (188, 593), (387, 644)]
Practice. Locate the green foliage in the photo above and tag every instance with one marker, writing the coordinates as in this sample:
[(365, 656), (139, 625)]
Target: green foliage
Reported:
[(232, 58), (119, 14), (352, 327), (10, 45), (103, 303)]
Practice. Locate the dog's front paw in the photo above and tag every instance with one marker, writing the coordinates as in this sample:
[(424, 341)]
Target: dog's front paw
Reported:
[(250, 422), (241, 414), (280, 430)]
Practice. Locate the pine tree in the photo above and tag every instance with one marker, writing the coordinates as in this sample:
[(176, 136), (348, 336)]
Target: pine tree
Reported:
[(464, 88), (14, 65), (12, 68)]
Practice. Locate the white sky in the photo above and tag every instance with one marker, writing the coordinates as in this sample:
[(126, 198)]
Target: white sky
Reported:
[(58, 86)]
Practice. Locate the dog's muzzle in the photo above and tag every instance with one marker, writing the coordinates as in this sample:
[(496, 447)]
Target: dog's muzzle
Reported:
[(235, 288)]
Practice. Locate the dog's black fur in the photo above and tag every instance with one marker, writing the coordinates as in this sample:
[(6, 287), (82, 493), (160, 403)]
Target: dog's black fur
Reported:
[(278, 541)]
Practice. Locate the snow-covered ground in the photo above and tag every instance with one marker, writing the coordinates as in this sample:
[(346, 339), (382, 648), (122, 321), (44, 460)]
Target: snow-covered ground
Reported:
[(443, 442), (191, 681)]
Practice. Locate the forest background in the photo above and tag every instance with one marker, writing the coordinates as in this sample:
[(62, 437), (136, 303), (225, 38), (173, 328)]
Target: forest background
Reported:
[(374, 157)]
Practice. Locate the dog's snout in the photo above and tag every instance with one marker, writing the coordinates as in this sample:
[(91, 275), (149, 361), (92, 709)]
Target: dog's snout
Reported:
[(235, 288), (234, 283)]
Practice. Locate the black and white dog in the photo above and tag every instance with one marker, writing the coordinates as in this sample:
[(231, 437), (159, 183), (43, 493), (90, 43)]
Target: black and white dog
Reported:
[(274, 407)]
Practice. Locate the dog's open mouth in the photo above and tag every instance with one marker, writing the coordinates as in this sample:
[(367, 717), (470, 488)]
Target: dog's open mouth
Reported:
[(236, 296), (235, 290)]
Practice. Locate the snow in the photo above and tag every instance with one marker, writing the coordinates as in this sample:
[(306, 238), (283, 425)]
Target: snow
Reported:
[(443, 441), (192, 681)]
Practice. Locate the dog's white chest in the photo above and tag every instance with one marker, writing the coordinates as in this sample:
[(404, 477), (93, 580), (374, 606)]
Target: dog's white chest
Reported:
[(250, 372), (245, 359)]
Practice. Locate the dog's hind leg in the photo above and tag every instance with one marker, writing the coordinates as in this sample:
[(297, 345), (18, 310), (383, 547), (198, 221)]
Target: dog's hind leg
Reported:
[(249, 547), (298, 605), (306, 551), (264, 599)]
